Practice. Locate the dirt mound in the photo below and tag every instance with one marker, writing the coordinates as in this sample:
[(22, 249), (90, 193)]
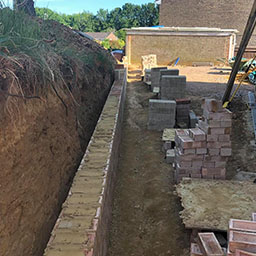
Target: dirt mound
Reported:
[(53, 85)]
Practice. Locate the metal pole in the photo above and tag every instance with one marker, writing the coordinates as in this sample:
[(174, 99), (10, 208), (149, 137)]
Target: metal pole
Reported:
[(244, 42)]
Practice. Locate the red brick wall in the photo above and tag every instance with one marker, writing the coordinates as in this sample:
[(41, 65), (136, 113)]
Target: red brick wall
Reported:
[(207, 13)]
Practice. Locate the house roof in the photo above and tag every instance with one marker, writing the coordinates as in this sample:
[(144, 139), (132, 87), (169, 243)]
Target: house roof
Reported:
[(99, 35)]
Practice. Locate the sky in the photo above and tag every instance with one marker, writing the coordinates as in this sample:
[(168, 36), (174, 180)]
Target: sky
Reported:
[(76, 6)]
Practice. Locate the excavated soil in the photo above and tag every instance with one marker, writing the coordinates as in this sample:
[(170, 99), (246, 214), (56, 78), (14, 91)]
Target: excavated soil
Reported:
[(146, 211), (43, 141)]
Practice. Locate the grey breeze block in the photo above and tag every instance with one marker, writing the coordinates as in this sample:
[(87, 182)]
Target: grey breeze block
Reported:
[(162, 114), (155, 77), (172, 87)]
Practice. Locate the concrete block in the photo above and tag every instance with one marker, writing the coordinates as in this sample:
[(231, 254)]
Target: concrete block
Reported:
[(242, 225), (193, 120), (170, 156), (162, 114), (168, 145), (242, 240), (155, 77), (209, 244), (169, 72), (172, 87)]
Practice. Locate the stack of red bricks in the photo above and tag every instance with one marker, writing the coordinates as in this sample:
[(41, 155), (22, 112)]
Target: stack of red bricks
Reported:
[(242, 240), (242, 237), (202, 152)]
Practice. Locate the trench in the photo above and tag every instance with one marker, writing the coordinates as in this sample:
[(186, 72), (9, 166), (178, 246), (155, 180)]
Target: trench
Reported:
[(145, 218)]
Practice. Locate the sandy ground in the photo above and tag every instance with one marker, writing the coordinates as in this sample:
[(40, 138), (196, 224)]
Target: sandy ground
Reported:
[(146, 218)]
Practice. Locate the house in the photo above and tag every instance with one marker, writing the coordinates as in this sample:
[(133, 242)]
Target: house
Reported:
[(223, 14), (101, 36)]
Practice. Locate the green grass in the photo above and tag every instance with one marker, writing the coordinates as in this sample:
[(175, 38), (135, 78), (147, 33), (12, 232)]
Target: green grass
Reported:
[(40, 51)]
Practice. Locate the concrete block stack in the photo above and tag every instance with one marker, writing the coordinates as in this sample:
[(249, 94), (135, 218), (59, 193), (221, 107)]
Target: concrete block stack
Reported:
[(169, 72), (182, 112), (147, 76), (155, 77), (148, 62), (202, 152), (172, 87), (162, 114)]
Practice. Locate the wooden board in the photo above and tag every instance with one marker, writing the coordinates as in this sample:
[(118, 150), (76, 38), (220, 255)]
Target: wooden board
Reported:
[(210, 204)]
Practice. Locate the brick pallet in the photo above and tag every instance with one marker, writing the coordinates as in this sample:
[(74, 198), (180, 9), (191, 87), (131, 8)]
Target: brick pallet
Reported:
[(202, 152), (242, 240)]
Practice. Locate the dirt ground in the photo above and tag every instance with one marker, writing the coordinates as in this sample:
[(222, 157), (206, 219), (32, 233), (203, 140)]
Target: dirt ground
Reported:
[(146, 212)]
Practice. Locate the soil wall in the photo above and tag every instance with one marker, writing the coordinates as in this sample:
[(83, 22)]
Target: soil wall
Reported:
[(83, 224), (41, 146)]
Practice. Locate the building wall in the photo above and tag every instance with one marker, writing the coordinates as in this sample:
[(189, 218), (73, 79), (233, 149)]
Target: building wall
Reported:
[(188, 48), (112, 37), (207, 13)]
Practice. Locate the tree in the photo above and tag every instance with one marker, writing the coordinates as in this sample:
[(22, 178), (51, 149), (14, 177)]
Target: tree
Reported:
[(25, 5)]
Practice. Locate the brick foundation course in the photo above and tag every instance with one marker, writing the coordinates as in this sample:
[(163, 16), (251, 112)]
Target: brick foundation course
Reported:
[(202, 152), (83, 224)]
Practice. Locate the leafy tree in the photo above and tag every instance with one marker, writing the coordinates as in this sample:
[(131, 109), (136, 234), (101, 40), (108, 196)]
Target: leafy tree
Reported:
[(128, 16), (121, 34)]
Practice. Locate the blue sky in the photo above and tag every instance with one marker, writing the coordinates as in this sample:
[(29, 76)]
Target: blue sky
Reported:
[(76, 6)]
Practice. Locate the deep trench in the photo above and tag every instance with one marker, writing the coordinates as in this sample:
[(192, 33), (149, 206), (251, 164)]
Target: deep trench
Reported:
[(145, 217)]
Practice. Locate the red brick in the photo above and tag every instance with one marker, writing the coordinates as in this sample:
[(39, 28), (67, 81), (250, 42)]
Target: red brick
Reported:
[(197, 164), (209, 244), (219, 164), (209, 164), (201, 151), (195, 250), (190, 151), (214, 124), (196, 176), (217, 131), (183, 101), (226, 124), (213, 151), (197, 134), (211, 138), (212, 105), (242, 225), (244, 253), (225, 151), (241, 240), (224, 138)]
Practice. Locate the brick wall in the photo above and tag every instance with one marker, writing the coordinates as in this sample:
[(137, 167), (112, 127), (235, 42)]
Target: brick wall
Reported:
[(83, 224), (207, 13), (188, 48)]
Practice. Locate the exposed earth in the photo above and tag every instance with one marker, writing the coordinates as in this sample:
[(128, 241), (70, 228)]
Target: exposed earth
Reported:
[(146, 210)]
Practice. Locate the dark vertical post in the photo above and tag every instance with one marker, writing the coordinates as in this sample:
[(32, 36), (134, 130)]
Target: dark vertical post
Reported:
[(245, 39)]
